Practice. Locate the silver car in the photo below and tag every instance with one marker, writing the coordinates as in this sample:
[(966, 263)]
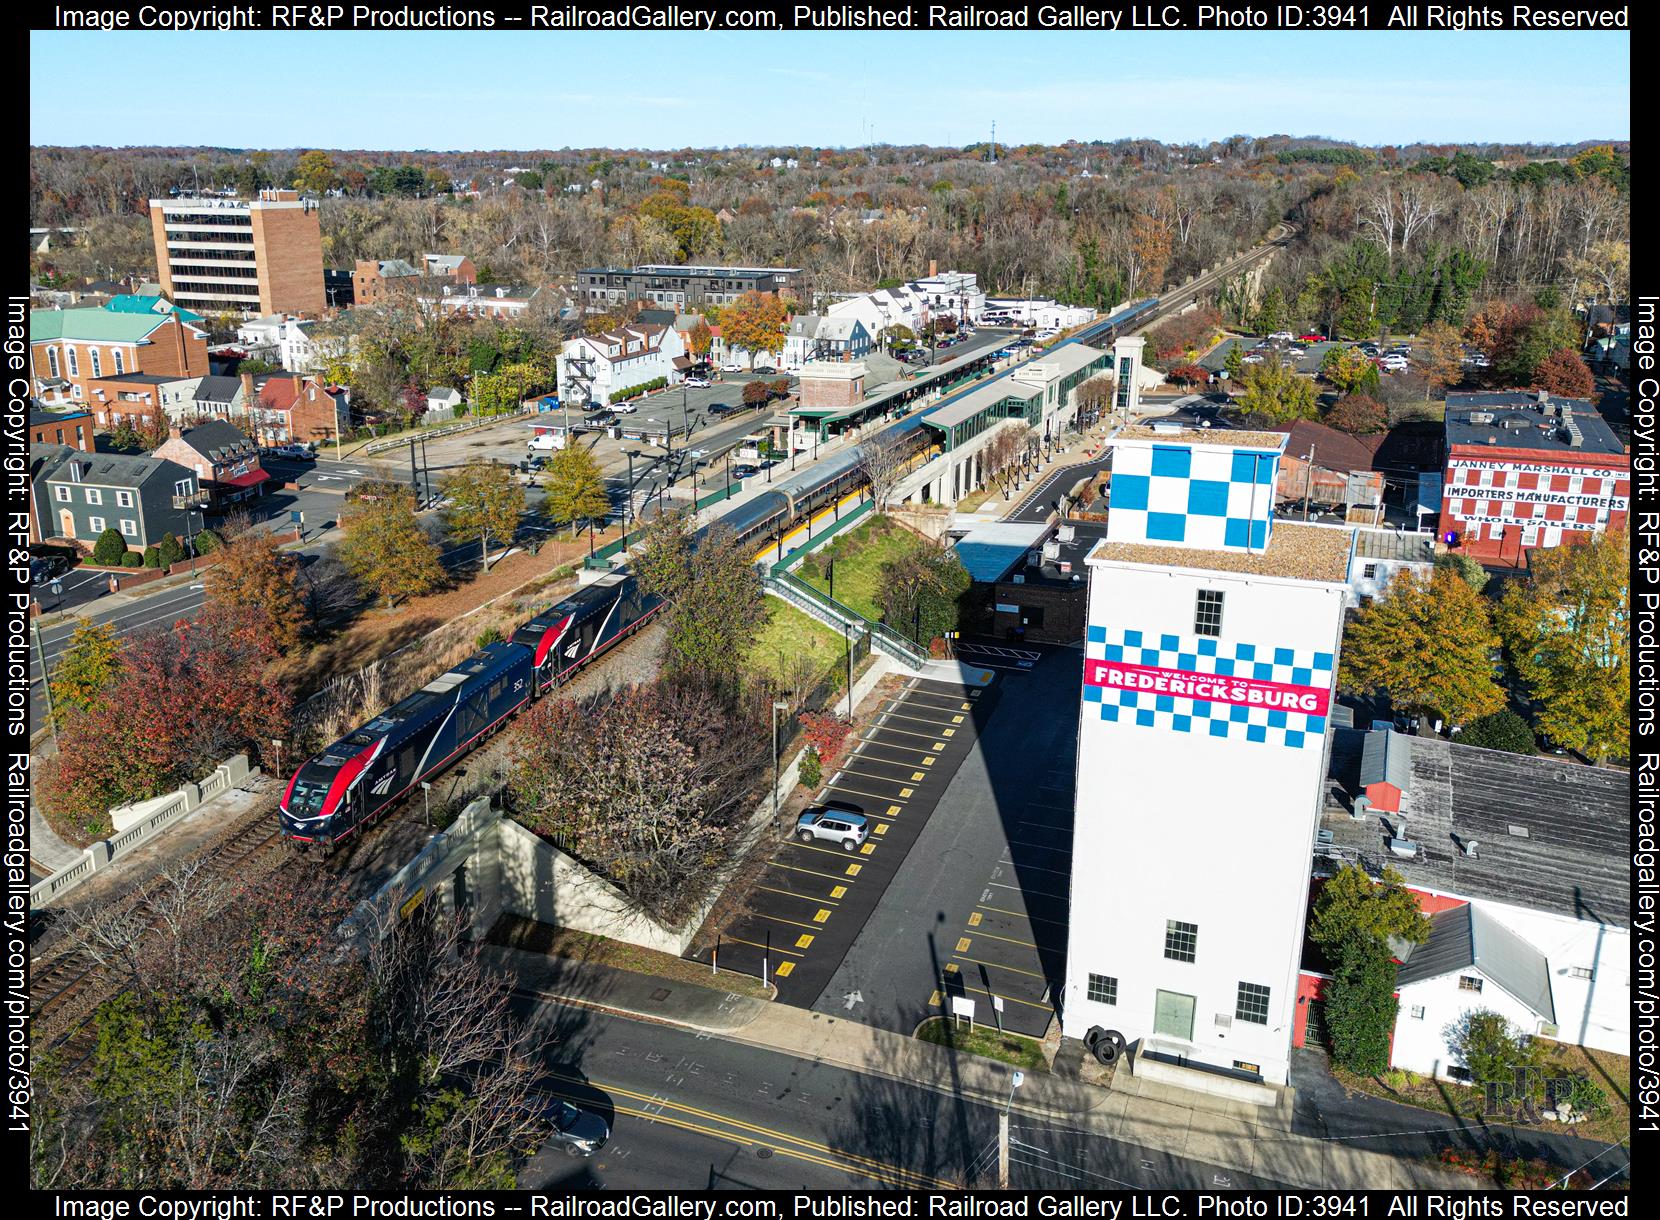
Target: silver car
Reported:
[(825, 824)]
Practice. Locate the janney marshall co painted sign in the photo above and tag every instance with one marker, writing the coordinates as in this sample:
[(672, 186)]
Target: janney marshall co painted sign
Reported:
[(1209, 688)]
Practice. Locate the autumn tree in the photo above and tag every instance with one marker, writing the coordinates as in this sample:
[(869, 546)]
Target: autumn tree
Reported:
[(315, 173), (1188, 375), (575, 488), (755, 393), (1564, 373), (701, 339), (484, 501), (1349, 369), (181, 702), (1147, 253), (1425, 643), (1277, 393), (1567, 624), (648, 786), (1358, 415), (88, 665), (253, 576), (714, 593), (385, 547), (755, 322), (1438, 355), (920, 590)]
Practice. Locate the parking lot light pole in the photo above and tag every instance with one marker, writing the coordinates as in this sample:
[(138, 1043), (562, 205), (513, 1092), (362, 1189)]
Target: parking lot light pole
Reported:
[(777, 706)]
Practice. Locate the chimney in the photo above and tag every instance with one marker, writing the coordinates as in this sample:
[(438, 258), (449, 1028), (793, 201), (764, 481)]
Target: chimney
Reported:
[(933, 268), (174, 432)]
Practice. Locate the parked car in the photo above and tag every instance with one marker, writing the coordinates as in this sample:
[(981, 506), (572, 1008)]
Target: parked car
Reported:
[(1252, 358), (624, 408), (745, 471), (766, 370), (533, 463), (1394, 363), (1311, 337), (1478, 360), (298, 453), (698, 383), (1281, 336), (46, 568), (731, 366), (720, 408), (831, 825)]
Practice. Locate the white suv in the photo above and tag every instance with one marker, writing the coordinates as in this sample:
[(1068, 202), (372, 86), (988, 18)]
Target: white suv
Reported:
[(827, 824)]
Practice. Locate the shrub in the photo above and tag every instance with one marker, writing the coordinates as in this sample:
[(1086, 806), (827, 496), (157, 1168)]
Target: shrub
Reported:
[(1491, 1047), (152, 557), (171, 551), (812, 771), (207, 542), (109, 548), (1501, 731), (132, 559), (1586, 1096), (490, 635), (1361, 1008), (825, 733)]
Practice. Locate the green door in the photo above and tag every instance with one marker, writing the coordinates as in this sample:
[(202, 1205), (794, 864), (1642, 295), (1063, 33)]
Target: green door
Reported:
[(1173, 1015)]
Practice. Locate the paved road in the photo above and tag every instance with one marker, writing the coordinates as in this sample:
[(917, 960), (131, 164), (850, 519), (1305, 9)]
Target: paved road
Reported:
[(812, 900), (693, 1111), (979, 907)]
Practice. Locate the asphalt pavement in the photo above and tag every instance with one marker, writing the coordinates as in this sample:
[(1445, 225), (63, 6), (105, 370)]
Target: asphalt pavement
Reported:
[(979, 907), (700, 1111), (812, 900)]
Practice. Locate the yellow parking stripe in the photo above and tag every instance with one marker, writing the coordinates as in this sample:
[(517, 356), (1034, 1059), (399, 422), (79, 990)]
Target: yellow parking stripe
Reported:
[(1008, 940), (836, 891), (791, 894), (1009, 999), (753, 944), (810, 872), (974, 919), (783, 970), (822, 916), (805, 939), (853, 869), (794, 923), (963, 944), (1061, 923), (1031, 974), (880, 796)]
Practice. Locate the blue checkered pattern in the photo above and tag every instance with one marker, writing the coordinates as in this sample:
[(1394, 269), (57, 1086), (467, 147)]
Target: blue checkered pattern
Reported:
[(1199, 654), (1210, 498)]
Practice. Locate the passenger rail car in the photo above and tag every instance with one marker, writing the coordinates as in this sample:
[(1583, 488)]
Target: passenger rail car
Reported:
[(358, 778)]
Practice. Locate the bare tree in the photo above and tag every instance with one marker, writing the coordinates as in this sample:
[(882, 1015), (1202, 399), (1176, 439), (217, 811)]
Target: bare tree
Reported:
[(882, 462)]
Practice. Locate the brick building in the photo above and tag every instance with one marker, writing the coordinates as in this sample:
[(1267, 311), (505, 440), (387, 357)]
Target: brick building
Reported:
[(832, 383), (679, 287), (247, 256), (70, 349), (372, 279), (72, 429), (1529, 470), (285, 408), (225, 462)]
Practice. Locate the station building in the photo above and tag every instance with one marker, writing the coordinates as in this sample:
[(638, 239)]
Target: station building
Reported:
[(1211, 650)]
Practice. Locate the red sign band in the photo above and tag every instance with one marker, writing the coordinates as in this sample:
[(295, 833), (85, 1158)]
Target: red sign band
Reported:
[(1212, 688)]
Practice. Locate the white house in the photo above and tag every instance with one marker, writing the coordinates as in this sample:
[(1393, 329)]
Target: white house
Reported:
[(441, 403), (1043, 313), (884, 308), (594, 368), (1523, 865), (813, 337), (1379, 555), (953, 294)]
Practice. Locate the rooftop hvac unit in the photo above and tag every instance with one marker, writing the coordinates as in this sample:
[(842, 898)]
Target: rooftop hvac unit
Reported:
[(1165, 428), (1019, 578), (1481, 417), (1034, 559), (1405, 848), (1051, 550), (1571, 435), (1066, 533)]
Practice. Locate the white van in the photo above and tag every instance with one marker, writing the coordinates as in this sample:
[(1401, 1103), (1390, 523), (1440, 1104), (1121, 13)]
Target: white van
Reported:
[(548, 440)]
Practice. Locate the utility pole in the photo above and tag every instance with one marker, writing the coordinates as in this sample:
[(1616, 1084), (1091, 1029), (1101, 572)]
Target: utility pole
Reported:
[(777, 706), (1015, 1081), (1308, 483)]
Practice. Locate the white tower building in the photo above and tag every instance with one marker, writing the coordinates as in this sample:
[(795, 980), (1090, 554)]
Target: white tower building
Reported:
[(1210, 657)]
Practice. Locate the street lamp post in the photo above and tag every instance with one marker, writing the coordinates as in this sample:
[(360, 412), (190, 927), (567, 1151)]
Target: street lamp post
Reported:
[(628, 499), (426, 800), (46, 684), (777, 706), (728, 456), (849, 626)]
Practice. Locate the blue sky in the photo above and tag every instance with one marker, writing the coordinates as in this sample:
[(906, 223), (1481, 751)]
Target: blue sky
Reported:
[(671, 90)]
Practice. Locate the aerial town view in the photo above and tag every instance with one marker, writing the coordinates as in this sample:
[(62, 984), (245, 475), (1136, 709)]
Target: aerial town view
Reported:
[(890, 614)]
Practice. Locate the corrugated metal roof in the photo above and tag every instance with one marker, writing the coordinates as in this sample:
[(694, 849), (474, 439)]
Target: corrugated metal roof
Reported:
[(1386, 758), (93, 324), (1467, 937)]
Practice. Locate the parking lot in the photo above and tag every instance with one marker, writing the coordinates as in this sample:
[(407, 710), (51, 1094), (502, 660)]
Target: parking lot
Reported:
[(811, 901), (978, 907)]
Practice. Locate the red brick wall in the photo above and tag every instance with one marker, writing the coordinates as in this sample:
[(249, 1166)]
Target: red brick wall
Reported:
[(288, 252)]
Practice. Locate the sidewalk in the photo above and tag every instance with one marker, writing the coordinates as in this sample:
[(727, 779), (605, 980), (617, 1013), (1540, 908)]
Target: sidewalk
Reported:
[(46, 848), (1226, 1134)]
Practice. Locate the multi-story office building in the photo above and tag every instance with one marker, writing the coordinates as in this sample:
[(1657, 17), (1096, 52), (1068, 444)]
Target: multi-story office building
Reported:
[(249, 256)]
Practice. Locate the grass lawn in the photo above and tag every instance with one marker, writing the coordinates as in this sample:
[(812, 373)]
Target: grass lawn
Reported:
[(976, 500), (518, 933), (789, 633), (986, 1042), (1612, 1072), (859, 557)]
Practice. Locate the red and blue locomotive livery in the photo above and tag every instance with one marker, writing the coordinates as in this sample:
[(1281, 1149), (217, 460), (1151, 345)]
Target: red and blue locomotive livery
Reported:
[(358, 778)]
